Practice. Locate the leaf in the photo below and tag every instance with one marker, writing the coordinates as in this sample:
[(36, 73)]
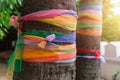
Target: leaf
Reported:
[(7, 8), (2, 34)]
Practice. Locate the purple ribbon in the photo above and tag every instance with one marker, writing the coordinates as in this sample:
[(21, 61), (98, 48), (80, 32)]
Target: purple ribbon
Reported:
[(70, 38)]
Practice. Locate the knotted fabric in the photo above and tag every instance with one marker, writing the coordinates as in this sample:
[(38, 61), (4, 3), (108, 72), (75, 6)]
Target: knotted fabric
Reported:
[(41, 46)]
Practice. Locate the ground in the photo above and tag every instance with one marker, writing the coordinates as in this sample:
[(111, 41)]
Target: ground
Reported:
[(3, 68)]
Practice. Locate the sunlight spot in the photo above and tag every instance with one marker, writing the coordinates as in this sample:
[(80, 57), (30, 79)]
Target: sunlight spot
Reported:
[(116, 10), (114, 1)]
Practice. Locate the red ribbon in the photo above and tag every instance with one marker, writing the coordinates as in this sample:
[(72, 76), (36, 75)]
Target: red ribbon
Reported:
[(85, 50)]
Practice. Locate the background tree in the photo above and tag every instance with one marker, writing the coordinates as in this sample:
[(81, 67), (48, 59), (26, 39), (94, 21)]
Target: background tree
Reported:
[(88, 39), (45, 71)]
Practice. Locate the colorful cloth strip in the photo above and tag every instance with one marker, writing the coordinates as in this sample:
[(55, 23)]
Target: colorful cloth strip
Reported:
[(91, 0), (90, 5), (93, 57), (41, 46), (90, 17), (91, 32), (85, 50), (65, 19), (95, 52), (59, 37), (88, 25)]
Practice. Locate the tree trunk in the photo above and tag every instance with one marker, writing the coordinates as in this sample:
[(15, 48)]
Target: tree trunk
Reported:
[(88, 41), (45, 71)]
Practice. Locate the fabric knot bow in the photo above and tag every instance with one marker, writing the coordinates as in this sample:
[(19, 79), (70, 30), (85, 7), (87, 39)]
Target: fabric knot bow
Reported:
[(49, 38), (41, 42), (14, 21), (97, 53)]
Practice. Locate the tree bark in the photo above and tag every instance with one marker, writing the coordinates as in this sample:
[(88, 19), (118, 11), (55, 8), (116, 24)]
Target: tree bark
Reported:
[(45, 71), (87, 69)]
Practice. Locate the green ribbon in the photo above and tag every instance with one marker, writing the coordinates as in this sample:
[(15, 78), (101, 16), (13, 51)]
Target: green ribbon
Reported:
[(88, 25)]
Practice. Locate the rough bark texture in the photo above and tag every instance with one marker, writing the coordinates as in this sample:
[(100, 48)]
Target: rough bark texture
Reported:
[(88, 69), (45, 71)]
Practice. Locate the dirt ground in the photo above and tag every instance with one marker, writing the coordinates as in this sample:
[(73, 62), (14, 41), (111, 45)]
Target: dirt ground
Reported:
[(3, 69)]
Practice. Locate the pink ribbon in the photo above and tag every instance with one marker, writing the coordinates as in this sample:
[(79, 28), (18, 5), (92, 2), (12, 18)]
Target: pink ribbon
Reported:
[(43, 14)]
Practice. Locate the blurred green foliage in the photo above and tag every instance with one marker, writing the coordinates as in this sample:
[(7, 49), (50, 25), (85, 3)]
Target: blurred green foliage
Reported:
[(111, 22), (8, 8), (114, 77)]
